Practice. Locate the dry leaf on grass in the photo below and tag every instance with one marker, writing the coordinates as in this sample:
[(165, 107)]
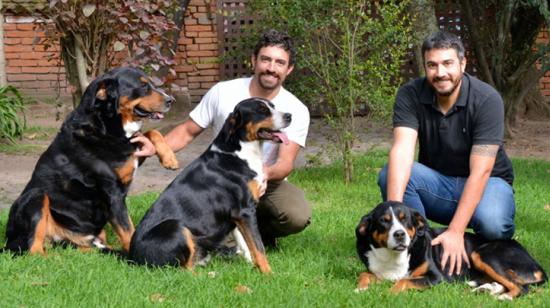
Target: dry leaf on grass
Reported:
[(157, 298), (547, 207), (243, 289)]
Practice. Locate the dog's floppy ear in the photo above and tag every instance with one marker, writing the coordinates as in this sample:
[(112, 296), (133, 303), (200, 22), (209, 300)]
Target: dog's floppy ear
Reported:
[(420, 223), (363, 226), (234, 122), (101, 94)]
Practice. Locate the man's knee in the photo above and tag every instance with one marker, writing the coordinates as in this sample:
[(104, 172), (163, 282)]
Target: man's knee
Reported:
[(295, 217), (492, 230), (494, 217)]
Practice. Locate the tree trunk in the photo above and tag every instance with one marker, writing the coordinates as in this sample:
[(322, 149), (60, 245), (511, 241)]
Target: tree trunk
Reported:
[(3, 79), (67, 45), (425, 24)]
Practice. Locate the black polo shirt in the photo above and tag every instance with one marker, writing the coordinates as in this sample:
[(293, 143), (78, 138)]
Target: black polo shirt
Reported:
[(445, 141)]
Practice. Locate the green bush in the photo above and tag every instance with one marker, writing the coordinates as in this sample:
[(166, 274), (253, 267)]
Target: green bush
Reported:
[(11, 124)]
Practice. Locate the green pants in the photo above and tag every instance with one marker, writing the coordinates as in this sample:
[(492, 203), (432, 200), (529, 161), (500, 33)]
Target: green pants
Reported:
[(282, 210)]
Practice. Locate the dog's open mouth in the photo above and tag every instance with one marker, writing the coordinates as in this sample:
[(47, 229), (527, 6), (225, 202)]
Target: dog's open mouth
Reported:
[(400, 247), (153, 115), (275, 136)]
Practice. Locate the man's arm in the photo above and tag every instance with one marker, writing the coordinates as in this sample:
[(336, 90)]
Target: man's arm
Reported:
[(400, 162), (285, 162), (177, 138), (482, 160)]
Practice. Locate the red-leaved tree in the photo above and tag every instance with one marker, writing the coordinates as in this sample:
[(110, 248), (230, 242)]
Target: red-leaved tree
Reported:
[(95, 35)]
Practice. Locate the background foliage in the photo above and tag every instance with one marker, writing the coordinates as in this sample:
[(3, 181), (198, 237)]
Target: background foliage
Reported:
[(12, 120), (91, 34), (349, 55)]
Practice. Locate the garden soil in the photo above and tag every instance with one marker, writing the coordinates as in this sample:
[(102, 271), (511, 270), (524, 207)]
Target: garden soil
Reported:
[(532, 140)]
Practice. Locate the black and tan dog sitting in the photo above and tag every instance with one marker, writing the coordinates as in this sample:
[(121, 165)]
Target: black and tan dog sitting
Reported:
[(394, 242), (80, 182), (214, 196)]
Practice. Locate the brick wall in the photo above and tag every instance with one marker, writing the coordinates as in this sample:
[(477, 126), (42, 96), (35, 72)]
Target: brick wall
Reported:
[(30, 69), (544, 82), (29, 66), (35, 71)]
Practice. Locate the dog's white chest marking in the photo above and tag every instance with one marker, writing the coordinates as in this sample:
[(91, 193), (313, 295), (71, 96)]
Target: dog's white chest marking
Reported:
[(251, 152), (388, 264), (130, 128)]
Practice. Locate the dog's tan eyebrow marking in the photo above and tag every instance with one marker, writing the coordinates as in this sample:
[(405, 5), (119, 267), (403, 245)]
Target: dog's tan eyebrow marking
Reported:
[(401, 215), (387, 217), (489, 150), (146, 80)]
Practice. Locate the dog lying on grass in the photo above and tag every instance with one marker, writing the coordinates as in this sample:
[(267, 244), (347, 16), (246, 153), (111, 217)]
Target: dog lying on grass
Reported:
[(394, 243)]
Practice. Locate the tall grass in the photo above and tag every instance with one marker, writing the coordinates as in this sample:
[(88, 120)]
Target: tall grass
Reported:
[(316, 268)]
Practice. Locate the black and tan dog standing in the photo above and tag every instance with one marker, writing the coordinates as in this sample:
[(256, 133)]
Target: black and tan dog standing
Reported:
[(214, 196), (80, 182), (394, 243)]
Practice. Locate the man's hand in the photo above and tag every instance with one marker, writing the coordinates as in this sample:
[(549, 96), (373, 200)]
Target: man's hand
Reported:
[(145, 148), (452, 243)]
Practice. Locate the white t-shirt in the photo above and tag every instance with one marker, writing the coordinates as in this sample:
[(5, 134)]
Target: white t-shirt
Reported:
[(222, 98)]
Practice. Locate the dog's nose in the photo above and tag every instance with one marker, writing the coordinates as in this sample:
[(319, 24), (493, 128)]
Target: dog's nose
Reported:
[(399, 235), (287, 117)]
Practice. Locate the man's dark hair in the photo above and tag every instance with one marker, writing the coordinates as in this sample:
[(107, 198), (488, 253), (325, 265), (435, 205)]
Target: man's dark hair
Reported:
[(273, 37), (443, 40)]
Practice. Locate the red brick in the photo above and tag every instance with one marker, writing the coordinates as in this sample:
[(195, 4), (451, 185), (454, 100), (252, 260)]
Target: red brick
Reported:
[(208, 34), (545, 92), (25, 27), (184, 41), (192, 34), (208, 46), (52, 77), (198, 28), (211, 72), (203, 53), (196, 3), (12, 41), (17, 48), (33, 55), (207, 85), (201, 78), (202, 40), (192, 47), (9, 26), (19, 34), (184, 68), (193, 85), (13, 70), (35, 69), (12, 55), (21, 77), (190, 22), (207, 66), (22, 63)]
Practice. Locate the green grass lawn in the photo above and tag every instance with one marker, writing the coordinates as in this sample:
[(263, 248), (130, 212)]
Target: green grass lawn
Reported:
[(316, 268)]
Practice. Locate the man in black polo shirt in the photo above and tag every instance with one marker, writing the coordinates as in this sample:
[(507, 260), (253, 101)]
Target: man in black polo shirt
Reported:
[(463, 177)]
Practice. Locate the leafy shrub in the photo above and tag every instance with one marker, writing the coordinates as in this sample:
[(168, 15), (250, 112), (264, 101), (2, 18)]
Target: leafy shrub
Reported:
[(11, 103)]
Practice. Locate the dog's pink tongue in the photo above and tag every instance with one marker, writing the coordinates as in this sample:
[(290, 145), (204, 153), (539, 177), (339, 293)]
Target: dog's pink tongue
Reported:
[(159, 115), (281, 136)]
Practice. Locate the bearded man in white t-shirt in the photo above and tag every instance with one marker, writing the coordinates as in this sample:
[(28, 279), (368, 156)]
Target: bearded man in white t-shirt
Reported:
[(283, 209)]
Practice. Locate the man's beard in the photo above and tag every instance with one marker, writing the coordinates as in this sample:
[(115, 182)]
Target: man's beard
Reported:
[(268, 86), (455, 83)]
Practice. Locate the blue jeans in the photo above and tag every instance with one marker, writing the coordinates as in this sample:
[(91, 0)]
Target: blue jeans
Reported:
[(436, 197)]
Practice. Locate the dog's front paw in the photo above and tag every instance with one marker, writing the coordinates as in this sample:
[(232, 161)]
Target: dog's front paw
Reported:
[(169, 161)]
